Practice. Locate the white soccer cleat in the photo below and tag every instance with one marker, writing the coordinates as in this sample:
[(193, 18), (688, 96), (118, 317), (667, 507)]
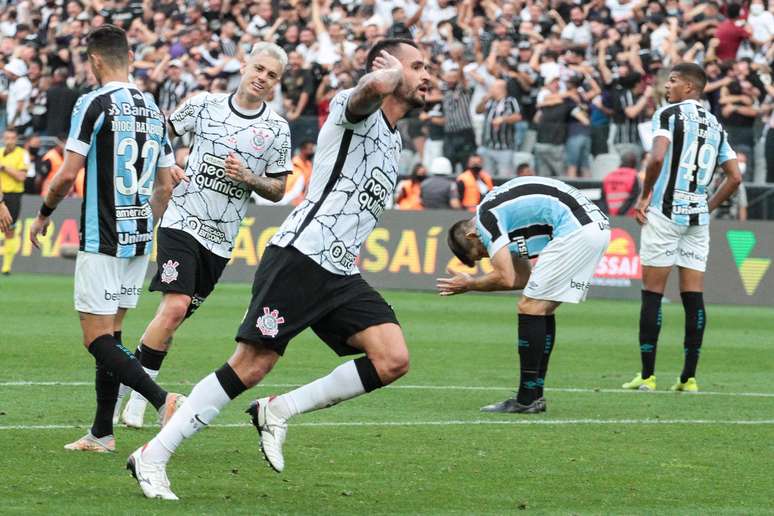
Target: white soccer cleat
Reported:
[(90, 443), (134, 411), (152, 478), (174, 402), (123, 390), (273, 431)]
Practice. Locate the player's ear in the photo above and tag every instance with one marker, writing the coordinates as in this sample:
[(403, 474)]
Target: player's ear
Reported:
[(471, 235)]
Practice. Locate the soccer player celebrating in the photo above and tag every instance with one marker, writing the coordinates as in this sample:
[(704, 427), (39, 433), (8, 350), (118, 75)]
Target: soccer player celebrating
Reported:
[(240, 146), (688, 144), (307, 276), (121, 140), (522, 219)]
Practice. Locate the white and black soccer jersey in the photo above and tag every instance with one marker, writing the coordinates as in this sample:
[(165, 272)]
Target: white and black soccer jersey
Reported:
[(526, 213), (698, 143), (354, 174), (123, 137), (210, 206)]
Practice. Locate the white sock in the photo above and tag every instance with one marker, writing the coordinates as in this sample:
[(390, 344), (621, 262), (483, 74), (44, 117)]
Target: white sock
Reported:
[(136, 396), (341, 384), (204, 403)]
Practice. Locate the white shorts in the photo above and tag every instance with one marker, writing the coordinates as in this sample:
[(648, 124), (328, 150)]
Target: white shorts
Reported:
[(664, 243), (103, 283), (566, 265)]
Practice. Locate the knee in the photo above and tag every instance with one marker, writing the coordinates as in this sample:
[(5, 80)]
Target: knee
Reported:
[(173, 313), (391, 364)]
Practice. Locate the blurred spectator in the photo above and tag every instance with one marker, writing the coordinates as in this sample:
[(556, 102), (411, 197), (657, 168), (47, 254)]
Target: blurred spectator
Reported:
[(578, 147), (299, 92), (524, 170), (739, 110), (730, 33), (498, 141), (556, 110), (621, 188), (297, 184), (409, 191), (439, 191), (768, 138), (474, 183), (175, 84), (578, 31), (761, 23), (60, 100), (17, 98), (35, 173), (459, 139)]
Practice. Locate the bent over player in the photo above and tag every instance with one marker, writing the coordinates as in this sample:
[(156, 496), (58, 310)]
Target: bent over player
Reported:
[(522, 219), (120, 137), (307, 276), (688, 144), (240, 146)]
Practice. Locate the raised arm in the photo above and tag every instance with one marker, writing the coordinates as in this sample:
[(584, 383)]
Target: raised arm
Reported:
[(373, 87)]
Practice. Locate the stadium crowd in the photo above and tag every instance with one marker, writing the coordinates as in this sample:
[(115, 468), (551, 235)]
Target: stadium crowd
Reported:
[(555, 88)]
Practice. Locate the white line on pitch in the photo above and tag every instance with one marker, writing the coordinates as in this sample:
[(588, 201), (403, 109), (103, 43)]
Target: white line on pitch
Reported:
[(481, 422), (418, 387)]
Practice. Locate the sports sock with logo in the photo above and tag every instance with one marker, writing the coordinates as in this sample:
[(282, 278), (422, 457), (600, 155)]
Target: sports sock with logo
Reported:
[(695, 322), (549, 347), (650, 326), (115, 358), (151, 360), (532, 341), (204, 403), (347, 381)]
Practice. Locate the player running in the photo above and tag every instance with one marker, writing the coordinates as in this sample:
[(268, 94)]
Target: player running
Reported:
[(121, 139), (307, 276), (240, 146), (522, 219), (688, 144)]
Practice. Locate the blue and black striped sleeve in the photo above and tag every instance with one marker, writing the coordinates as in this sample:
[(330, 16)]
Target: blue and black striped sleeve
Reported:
[(87, 111)]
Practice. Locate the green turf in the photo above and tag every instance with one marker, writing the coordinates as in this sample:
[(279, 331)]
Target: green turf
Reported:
[(585, 460)]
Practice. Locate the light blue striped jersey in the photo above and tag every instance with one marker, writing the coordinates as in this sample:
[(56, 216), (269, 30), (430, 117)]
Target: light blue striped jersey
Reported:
[(123, 136), (698, 144), (528, 212)]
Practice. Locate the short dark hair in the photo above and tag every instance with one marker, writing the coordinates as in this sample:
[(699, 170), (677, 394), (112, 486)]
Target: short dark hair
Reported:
[(733, 11), (109, 42), (459, 244), (521, 167), (388, 44), (629, 160), (693, 73)]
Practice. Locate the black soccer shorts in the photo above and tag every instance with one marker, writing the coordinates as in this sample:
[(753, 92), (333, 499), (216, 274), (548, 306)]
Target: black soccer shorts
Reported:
[(13, 203), (185, 266), (291, 293)]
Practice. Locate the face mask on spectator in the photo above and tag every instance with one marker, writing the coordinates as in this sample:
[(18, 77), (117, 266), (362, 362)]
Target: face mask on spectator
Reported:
[(756, 9), (475, 169)]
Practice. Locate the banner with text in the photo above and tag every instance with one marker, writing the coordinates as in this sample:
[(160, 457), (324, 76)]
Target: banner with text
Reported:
[(408, 251)]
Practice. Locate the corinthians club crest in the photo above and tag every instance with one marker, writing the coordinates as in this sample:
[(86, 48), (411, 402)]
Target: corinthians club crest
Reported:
[(169, 271), (269, 322)]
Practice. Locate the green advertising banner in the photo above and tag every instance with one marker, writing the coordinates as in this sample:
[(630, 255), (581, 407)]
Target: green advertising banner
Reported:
[(408, 251)]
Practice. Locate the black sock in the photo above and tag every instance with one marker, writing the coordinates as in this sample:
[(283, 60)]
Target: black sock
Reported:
[(126, 369), (150, 358), (650, 326), (532, 341), (230, 381), (695, 322), (549, 347), (106, 385), (368, 374)]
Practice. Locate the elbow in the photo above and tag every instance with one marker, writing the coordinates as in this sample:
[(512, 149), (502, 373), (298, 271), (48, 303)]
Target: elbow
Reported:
[(275, 196)]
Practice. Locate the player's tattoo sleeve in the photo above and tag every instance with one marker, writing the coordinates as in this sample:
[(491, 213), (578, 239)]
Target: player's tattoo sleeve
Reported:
[(271, 188), (368, 95)]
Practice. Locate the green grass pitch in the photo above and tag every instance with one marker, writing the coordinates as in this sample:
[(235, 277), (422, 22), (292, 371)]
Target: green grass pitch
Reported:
[(421, 446)]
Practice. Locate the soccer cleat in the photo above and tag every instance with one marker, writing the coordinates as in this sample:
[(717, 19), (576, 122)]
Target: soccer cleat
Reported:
[(690, 385), (90, 443), (123, 390), (272, 429), (152, 478), (542, 404), (166, 411), (512, 406), (134, 411), (641, 384)]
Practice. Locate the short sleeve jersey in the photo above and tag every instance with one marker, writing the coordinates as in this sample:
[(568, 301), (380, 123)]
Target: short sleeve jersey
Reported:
[(354, 175), (210, 206), (526, 213), (123, 136)]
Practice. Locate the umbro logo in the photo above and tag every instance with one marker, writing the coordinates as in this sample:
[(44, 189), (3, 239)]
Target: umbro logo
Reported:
[(137, 96)]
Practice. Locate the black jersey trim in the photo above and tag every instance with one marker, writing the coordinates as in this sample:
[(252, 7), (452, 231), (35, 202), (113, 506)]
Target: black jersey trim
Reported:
[(238, 113), (389, 126), (279, 174), (677, 152), (489, 221), (341, 157)]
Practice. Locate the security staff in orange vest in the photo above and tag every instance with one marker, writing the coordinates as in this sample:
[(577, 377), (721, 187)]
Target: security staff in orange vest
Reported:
[(409, 191), (621, 188), (302, 172), (474, 183)]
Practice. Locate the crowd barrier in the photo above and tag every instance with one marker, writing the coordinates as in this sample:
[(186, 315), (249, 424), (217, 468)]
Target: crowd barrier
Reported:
[(408, 251)]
